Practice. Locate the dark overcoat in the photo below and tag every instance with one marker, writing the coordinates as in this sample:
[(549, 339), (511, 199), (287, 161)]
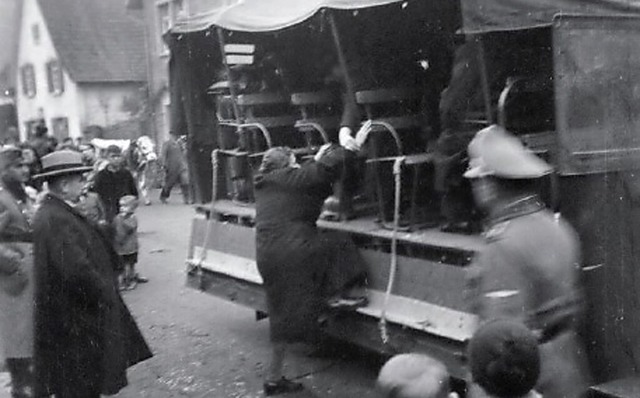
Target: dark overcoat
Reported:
[(529, 271), (16, 287), (300, 265), (173, 159), (84, 334)]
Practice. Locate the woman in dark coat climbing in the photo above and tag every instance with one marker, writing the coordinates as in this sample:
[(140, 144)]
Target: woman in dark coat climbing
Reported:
[(304, 270)]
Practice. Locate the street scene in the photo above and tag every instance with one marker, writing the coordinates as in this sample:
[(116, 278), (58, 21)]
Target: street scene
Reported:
[(207, 347), (319, 198)]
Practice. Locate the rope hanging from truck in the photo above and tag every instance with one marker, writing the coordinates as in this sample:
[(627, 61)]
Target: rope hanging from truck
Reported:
[(397, 174), (203, 253)]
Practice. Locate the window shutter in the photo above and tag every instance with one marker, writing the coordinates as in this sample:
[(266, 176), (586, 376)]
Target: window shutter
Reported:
[(23, 73), (60, 77), (50, 76), (55, 77), (28, 80)]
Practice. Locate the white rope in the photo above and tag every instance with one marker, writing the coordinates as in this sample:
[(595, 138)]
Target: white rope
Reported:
[(203, 254), (397, 174)]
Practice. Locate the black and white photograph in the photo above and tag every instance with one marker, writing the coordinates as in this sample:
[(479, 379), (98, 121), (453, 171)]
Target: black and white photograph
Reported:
[(320, 198)]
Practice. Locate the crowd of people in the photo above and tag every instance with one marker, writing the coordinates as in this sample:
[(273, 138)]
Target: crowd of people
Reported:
[(68, 248)]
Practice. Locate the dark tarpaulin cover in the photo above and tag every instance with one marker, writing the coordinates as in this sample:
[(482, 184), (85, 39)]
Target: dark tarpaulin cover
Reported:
[(195, 59), (499, 15)]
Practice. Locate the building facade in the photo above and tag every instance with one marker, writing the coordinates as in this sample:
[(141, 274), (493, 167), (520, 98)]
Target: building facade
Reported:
[(80, 63), (160, 16)]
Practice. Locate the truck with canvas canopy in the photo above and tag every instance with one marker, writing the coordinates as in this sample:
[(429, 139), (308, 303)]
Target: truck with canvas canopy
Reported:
[(558, 74)]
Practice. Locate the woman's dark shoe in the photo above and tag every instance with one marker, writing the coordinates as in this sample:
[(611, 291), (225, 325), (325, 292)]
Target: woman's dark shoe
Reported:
[(282, 386)]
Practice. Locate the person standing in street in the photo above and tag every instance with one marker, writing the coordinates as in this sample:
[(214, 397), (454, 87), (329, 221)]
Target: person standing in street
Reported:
[(114, 182), (40, 141), (529, 269), (125, 225), (175, 167), (85, 337), (16, 271)]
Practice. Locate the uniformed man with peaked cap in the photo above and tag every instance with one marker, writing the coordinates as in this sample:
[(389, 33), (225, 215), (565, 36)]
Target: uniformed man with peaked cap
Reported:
[(529, 268)]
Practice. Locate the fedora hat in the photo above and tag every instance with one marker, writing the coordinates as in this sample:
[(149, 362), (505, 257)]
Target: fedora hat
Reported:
[(61, 163)]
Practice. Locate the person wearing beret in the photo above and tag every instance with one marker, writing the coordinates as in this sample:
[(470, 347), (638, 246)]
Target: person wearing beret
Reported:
[(529, 267), (85, 337), (16, 270), (504, 360), (305, 271)]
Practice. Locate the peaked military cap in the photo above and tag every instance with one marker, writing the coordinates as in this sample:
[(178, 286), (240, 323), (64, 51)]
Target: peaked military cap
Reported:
[(496, 152), (9, 156)]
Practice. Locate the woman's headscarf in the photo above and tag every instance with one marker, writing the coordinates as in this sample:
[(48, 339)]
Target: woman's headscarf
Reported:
[(275, 158)]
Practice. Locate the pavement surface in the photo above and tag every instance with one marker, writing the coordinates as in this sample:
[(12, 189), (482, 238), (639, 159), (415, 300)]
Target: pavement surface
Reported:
[(207, 347)]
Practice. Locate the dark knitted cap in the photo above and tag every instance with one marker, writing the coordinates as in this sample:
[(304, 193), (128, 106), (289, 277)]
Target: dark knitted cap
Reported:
[(504, 358), (114, 150)]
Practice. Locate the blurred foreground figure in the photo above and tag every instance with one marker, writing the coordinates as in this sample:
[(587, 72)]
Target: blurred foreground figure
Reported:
[(85, 337), (414, 376), (529, 269), (504, 359), (16, 271)]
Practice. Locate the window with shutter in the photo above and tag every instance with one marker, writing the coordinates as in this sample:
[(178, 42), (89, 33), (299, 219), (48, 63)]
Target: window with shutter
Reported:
[(28, 80), (55, 78), (35, 33)]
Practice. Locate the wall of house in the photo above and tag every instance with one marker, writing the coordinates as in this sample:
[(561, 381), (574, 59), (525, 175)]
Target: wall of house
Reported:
[(158, 63), (160, 15), (106, 104), (9, 17), (43, 105)]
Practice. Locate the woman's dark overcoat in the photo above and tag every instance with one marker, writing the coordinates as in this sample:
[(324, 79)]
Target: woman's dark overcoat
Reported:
[(300, 265), (84, 334)]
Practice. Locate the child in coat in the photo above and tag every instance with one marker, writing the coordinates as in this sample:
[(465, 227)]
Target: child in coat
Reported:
[(125, 226)]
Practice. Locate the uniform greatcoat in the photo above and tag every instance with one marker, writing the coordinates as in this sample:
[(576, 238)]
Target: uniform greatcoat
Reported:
[(85, 336), (16, 287), (300, 266), (529, 271)]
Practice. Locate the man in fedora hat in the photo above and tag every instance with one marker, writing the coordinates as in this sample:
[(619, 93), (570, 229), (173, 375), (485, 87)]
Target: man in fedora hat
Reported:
[(529, 268), (85, 337)]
